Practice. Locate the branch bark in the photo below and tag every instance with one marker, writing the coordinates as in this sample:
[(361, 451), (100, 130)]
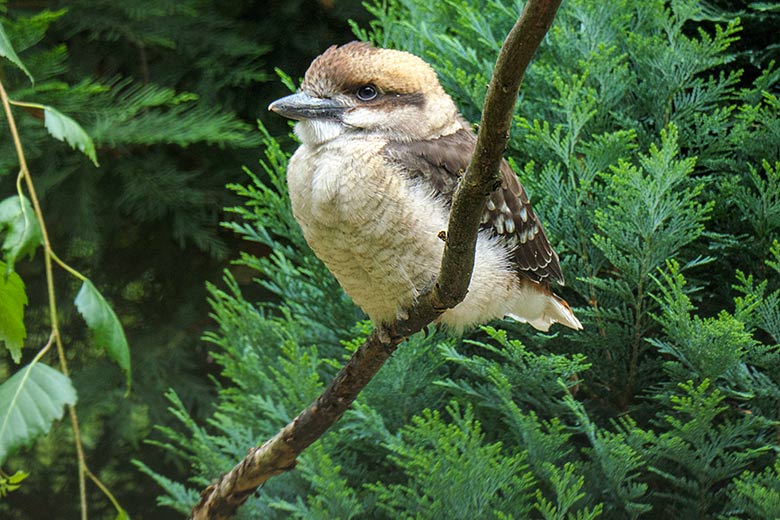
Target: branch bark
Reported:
[(221, 500)]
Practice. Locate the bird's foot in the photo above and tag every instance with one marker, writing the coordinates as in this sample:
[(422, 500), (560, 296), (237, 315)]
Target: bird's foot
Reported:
[(383, 334)]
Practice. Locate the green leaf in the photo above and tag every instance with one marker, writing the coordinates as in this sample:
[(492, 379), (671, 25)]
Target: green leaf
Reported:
[(66, 129), (122, 515), (17, 477), (12, 483), (106, 329), (7, 51), (31, 400), (23, 233), (13, 298)]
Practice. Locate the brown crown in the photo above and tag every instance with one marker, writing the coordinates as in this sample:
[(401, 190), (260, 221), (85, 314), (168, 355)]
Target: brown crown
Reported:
[(343, 69)]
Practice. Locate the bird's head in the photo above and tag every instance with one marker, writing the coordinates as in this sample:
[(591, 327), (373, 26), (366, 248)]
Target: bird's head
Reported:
[(357, 88)]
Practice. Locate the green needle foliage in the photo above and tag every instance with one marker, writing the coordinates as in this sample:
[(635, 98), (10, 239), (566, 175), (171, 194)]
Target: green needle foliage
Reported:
[(653, 161)]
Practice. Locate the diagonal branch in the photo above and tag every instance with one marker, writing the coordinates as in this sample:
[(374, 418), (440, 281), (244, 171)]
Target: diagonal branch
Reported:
[(221, 500)]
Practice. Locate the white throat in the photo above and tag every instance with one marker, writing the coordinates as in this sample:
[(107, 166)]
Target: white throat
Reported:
[(313, 132)]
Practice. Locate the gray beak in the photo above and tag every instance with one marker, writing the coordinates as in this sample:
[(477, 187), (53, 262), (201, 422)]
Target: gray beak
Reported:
[(303, 106)]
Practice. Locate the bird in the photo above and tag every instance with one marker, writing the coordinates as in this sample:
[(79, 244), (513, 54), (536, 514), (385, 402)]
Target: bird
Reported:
[(382, 147)]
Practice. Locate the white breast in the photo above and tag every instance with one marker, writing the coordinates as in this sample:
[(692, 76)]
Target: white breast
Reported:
[(373, 230), (377, 233)]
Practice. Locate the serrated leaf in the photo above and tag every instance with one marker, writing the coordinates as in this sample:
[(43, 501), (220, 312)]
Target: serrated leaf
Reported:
[(7, 51), (66, 129), (13, 298), (30, 401), (107, 331), (22, 231)]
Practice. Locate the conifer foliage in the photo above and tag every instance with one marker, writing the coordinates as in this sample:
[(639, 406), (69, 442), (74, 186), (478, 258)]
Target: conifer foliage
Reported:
[(654, 164)]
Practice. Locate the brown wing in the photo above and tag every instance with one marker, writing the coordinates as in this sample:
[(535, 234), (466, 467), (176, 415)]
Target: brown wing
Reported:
[(440, 163)]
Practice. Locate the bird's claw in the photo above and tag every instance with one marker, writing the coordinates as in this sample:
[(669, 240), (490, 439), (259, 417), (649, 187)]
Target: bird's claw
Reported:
[(383, 334)]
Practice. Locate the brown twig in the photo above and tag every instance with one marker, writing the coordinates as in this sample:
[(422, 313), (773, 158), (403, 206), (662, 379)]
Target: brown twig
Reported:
[(221, 500)]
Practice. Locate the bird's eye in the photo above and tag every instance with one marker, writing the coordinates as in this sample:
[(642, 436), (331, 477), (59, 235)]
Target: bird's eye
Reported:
[(366, 93)]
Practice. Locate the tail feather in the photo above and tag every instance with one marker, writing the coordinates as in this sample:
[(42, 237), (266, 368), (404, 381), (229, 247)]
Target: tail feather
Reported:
[(540, 307), (560, 311)]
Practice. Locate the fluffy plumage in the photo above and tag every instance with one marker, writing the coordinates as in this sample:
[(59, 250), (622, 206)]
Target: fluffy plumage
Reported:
[(382, 148)]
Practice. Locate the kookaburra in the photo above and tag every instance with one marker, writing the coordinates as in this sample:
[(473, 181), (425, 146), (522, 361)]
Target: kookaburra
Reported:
[(371, 185)]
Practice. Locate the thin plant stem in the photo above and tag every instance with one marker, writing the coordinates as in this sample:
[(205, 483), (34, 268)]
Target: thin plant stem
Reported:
[(68, 268), (47, 258), (44, 350), (104, 489), (27, 105)]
